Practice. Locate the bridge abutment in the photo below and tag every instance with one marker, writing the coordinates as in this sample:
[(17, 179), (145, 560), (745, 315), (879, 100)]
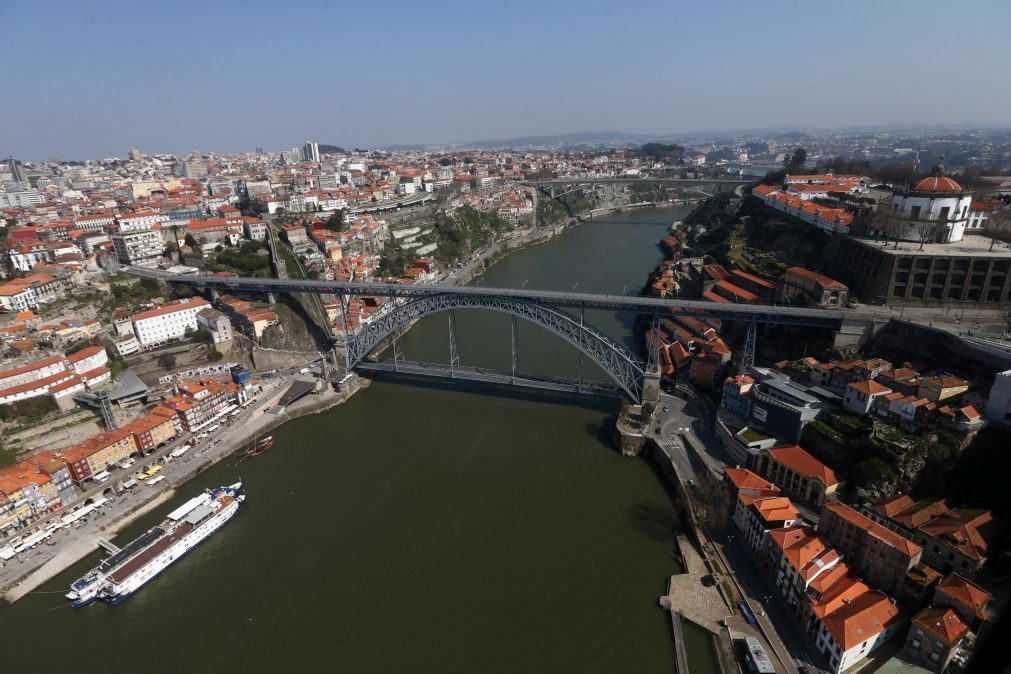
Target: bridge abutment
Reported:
[(651, 386)]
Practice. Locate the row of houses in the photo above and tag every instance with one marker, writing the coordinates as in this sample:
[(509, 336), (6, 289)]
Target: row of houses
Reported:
[(853, 583), (57, 376), (44, 482)]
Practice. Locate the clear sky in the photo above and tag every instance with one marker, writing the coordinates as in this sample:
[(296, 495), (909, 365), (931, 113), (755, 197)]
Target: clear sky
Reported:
[(92, 79)]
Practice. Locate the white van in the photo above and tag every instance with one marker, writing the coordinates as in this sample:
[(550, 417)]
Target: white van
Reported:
[(101, 477)]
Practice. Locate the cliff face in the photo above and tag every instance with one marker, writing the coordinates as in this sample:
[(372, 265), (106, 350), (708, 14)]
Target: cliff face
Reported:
[(933, 348), (292, 333)]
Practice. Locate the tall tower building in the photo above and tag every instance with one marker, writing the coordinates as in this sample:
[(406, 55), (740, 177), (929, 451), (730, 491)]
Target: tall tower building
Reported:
[(134, 154), (310, 151), (17, 170)]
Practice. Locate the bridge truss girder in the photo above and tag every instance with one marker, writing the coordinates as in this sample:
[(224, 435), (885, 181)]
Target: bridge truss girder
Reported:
[(620, 364)]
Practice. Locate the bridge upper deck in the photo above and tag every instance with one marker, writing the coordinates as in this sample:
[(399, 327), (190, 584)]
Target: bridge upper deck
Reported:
[(757, 313)]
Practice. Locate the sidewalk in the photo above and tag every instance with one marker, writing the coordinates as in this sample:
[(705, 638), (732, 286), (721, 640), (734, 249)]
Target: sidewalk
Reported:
[(772, 615), (25, 572)]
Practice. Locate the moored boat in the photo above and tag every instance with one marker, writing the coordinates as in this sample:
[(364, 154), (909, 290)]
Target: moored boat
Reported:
[(260, 446), (131, 567)]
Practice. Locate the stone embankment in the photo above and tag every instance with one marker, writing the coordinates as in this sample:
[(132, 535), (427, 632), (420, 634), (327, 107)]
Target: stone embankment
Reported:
[(27, 571)]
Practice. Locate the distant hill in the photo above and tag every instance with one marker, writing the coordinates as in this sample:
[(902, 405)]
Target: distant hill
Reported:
[(330, 149)]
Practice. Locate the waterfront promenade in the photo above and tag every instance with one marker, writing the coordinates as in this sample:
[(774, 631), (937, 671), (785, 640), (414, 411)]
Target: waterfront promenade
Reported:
[(32, 568)]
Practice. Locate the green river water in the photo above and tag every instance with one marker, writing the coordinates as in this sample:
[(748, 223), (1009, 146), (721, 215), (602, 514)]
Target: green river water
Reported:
[(419, 528)]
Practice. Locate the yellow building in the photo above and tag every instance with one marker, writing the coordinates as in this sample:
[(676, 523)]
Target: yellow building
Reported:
[(95, 454)]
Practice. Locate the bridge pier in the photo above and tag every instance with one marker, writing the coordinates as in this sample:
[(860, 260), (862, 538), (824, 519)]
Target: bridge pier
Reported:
[(215, 295), (651, 386), (271, 298)]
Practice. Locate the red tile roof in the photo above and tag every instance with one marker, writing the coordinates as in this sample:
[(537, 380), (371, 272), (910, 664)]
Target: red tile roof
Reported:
[(942, 622), (796, 459), (879, 531), (866, 616)]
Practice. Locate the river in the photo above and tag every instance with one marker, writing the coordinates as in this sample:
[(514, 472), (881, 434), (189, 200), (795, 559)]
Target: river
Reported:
[(436, 528)]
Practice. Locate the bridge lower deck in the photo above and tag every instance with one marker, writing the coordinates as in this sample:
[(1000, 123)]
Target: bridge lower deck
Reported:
[(489, 376)]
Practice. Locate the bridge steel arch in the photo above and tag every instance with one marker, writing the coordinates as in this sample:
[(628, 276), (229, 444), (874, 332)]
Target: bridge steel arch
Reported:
[(621, 365)]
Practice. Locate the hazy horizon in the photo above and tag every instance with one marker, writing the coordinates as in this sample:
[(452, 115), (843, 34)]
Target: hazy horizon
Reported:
[(87, 82)]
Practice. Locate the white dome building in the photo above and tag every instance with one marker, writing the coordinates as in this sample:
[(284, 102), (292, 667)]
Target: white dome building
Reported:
[(936, 209)]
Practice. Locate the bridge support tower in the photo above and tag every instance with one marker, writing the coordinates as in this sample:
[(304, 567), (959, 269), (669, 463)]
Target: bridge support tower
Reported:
[(651, 386), (750, 341)]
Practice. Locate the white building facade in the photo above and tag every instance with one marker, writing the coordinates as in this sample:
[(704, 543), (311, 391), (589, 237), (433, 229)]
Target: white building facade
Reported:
[(168, 322)]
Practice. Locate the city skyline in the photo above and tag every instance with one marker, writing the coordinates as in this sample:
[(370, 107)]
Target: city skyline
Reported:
[(388, 75)]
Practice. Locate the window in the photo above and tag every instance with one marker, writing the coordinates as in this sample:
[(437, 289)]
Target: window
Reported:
[(915, 212)]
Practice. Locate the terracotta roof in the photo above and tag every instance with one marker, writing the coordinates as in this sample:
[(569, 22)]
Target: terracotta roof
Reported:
[(815, 276), (964, 592), (869, 387), (742, 478), (172, 307), (879, 531), (861, 619), (954, 529), (894, 505), (796, 459), (775, 509), (824, 581), (942, 622), (836, 595), (85, 353), (757, 280), (937, 184)]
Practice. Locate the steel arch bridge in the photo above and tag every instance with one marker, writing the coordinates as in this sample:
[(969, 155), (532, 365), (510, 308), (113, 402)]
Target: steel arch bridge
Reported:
[(624, 367)]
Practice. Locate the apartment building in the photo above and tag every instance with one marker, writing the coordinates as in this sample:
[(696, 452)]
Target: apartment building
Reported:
[(803, 287), (848, 635), (215, 323), (935, 635), (199, 402), (167, 322), (141, 248), (96, 454), (798, 473), (953, 539), (755, 517), (152, 430), (879, 554)]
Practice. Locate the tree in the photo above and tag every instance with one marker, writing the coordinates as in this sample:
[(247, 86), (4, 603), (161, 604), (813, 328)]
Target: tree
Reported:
[(795, 161), (168, 361), (214, 355), (646, 413), (335, 222), (190, 241), (199, 335)]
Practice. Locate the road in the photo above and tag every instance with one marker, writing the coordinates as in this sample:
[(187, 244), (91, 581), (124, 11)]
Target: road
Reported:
[(31, 568), (990, 324), (691, 418), (766, 602)]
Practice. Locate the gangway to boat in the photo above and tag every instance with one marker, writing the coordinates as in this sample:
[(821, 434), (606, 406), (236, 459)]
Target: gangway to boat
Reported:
[(111, 547)]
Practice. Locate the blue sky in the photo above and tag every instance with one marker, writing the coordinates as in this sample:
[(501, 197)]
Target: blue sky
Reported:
[(92, 79)]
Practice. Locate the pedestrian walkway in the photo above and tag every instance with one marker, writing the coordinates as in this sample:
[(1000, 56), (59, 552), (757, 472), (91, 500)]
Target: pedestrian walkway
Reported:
[(694, 593)]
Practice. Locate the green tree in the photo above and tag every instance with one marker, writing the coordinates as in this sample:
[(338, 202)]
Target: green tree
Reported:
[(795, 161), (190, 241), (214, 355), (646, 413), (335, 222)]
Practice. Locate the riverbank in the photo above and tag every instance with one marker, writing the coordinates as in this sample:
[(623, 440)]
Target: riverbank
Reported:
[(489, 518), (33, 568), (537, 235)]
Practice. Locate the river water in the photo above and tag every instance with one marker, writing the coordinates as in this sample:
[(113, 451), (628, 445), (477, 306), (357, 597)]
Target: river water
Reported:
[(433, 528)]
